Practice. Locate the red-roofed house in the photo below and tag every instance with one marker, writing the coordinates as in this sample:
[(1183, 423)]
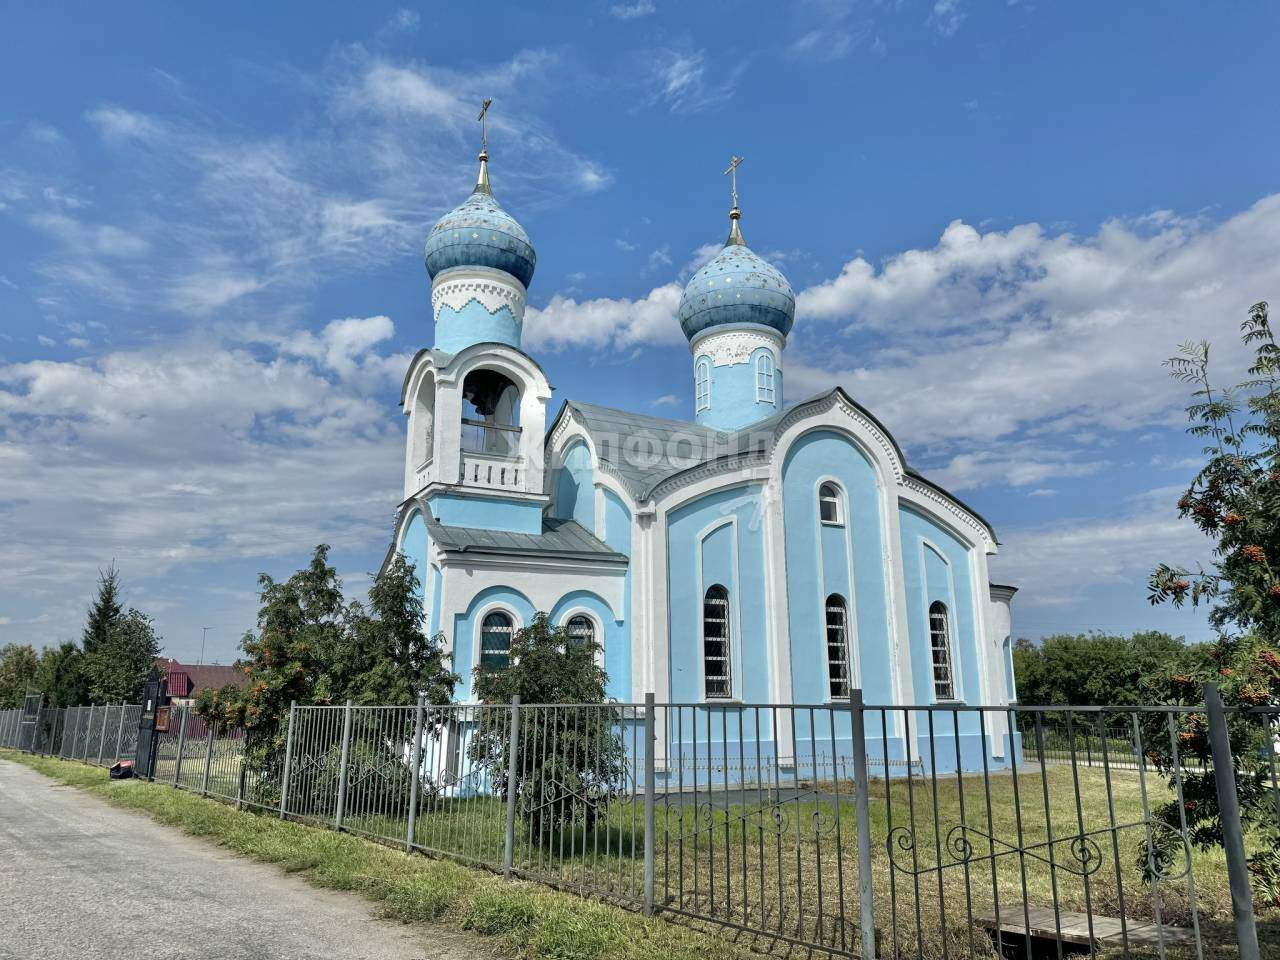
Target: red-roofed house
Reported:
[(187, 680)]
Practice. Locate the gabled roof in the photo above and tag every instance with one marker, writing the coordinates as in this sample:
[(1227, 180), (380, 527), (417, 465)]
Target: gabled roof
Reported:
[(650, 444), (186, 680), (644, 451), (563, 539)]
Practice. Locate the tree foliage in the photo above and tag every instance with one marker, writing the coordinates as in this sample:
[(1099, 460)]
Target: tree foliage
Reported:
[(1235, 500), (104, 612), (62, 677), (19, 669), (578, 755), (1092, 668), (312, 647), (118, 668)]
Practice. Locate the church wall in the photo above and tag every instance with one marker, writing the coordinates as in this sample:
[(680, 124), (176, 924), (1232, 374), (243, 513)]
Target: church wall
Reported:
[(574, 494), (473, 323), (617, 652), (486, 513), (733, 393), (718, 538), (819, 562), (617, 534), (466, 629), (936, 566)]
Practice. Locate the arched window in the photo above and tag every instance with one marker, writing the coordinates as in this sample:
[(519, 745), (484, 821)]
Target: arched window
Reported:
[(764, 377), (581, 631), (715, 643), (839, 676), (944, 684), (829, 504), (420, 424), (495, 641), (490, 414), (702, 385)]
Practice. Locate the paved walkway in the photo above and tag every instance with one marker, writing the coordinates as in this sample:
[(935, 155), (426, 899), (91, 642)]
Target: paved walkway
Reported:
[(80, 878)]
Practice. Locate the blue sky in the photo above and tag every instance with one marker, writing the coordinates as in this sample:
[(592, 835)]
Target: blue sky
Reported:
[(998, 217)]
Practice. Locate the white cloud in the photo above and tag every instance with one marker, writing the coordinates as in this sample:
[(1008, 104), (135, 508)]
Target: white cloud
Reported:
[(1055, 564), (659, 258), (403, 21), (605, 322), (213, 215), (947, 16), (208, 449), (823, 44), (666, 400), (1022, 329), (684, 81), (633, 11)]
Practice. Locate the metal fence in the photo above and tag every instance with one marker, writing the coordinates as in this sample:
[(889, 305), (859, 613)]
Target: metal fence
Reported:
[(99, 735), (920, 831)]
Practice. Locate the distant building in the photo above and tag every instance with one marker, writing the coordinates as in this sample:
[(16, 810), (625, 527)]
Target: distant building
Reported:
[(185, 681)]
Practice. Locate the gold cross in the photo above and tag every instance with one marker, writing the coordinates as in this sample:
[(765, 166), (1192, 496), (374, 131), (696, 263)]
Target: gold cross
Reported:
[(734, 161), (484, 133)]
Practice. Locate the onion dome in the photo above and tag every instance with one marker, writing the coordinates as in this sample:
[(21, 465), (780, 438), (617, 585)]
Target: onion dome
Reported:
[(737, 287), (479, 233)]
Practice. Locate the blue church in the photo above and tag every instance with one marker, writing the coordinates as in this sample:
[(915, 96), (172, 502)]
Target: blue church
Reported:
[(763, 553)]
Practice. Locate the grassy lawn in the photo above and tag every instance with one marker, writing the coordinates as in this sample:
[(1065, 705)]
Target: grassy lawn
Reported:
[(524, 920), (785, 866)]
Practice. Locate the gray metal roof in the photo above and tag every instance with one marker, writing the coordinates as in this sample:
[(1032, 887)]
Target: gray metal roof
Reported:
[(643, 451), (624, 440), (566, 539)]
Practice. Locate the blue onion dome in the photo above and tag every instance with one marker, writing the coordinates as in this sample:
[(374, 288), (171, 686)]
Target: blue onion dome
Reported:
[(738, 286), (479, 233)]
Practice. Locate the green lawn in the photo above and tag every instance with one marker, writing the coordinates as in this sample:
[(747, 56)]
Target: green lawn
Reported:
[(788, 870)]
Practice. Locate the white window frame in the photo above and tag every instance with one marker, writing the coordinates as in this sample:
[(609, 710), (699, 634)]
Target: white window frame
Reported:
[(843, 645), (726, 639), (702, 384), (941, 656), (764, 378), (837, 498)]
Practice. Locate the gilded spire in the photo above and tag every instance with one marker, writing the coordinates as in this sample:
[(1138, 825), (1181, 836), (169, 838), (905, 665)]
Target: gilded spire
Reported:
[(735, 232), (482, 178)]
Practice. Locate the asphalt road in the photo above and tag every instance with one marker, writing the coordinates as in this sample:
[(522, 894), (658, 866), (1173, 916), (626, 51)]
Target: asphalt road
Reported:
[(81, 879)]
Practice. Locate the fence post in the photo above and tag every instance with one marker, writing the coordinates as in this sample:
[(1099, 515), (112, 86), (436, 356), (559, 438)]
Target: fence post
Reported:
[(35, 733), (513, 757), (862, 815), (650, 785), (102, 741), (182, 742), (120, 734), (415, 767), (342, 767), (1224, 776), (288, 761), (208, 759)]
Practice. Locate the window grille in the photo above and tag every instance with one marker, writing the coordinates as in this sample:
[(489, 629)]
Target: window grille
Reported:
[(944, 686), (495, 641), (715, 643), (581, 631), (838, 674)]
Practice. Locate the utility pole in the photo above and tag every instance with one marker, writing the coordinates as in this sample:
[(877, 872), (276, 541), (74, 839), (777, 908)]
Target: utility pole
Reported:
[(204, 634)]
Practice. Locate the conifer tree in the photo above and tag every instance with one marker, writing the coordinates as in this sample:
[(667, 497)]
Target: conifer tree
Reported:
[(105, 610)]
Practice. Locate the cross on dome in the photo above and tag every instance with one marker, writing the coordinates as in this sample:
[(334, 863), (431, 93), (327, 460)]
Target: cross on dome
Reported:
[(735, 232)]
